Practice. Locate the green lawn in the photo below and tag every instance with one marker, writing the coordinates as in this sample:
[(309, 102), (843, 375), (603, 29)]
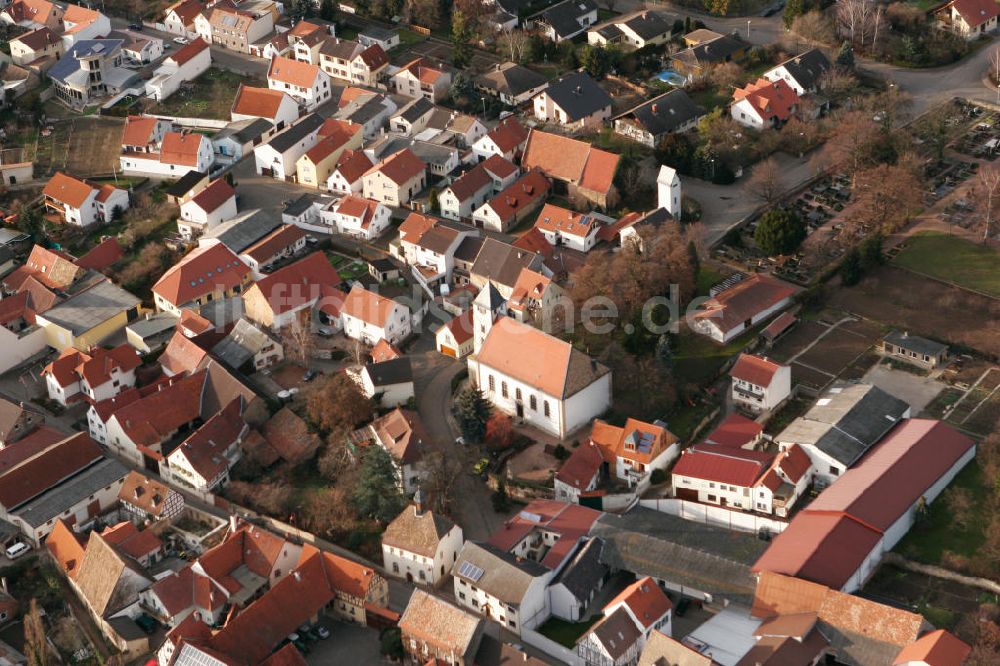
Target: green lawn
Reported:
[(953, 259), (929, 539), (698, 358), (209, 96), (565, 633), (707, 278), (711, 98)]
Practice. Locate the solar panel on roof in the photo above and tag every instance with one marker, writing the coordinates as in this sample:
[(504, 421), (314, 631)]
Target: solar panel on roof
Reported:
[(470, 571)]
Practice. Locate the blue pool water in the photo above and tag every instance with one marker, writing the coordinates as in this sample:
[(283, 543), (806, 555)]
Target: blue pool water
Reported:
[(671, 77)]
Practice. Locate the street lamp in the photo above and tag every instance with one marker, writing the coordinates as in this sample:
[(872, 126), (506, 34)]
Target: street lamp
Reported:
[(748, 29)]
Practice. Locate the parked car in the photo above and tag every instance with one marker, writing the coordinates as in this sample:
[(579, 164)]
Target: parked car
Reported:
[(682, 607), (135, 26), (480, 467), (310, 375), (17, 550), (325, 331), (311, 240), (323, 632), (460, 440), (181, 40)]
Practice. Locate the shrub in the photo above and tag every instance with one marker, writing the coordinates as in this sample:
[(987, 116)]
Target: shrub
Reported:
[(779, 231), (657, 477)]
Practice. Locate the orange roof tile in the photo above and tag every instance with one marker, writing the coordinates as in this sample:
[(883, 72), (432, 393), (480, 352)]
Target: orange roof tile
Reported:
[(756, 370), (65, 547), (352, 165), (203, 271), (400, 167), (937, 648), (68, 190), (182, 356), (570, 160), (260, 102), (368, 306), (745, 300), (281, 238), (189, 51), (384, 351), (181, 148), (102, 255), (294, 72), (735, 430), (139, 130), (645, 599), (771, 99)]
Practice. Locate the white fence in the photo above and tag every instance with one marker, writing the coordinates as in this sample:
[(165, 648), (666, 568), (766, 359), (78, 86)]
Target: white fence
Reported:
[(715, 515), (197, 123), (551, 648)]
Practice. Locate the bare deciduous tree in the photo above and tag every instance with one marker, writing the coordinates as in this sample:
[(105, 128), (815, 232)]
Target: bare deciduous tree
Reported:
[(440, 474), (989, 181), (514, 41), (765, 183), (995, 65), (858, 21), (298, 342), (36, 647)]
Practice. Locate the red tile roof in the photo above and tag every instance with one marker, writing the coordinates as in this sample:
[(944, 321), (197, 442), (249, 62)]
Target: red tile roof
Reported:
[(126, 538), (469, 183), (189, 51), (937, 648), (522, 193), (358, 208), (780, 324), (63, 368), (191, 323), (352, 165), (298, 283), (581, 466), (181, 148), (570, 160), (105, 408), (533, 241), (745, 300), (976, 12), (205, 449), (139, 130), (203, 271), (645, 599), (723, 464), (33, 476), (736, 430), (794, 463), (290, 436), (385, 351), (374, 57), (39, 39), (508, 135), (66, 548), (102, 255), (213, 196), (68, 190), (499, 166), (461, 327), (400, 167), (772, 100), (564, 221), (294, 72), (402, 434), (145, 493), (368, 306), (98, 369), (153, 418), (186, 10), (280, 239), (182, 356), (260, 102), (568, 521), (754, 369)]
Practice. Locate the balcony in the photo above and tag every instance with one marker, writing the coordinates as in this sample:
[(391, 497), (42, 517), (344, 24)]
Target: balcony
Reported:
[(747, 392)]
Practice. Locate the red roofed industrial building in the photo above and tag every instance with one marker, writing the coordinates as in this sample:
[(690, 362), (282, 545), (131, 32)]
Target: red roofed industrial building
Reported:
[(839, 539), (743, 305)]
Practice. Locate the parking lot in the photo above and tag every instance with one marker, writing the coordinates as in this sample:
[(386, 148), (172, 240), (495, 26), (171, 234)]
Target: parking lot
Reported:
[(348, 644)]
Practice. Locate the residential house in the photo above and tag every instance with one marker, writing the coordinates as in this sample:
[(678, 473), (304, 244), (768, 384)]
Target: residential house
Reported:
[(434, 630), (97, 375), (248, 348), (203, 460), (736, 431), (34, 14), (933, 648), (431, 252), (178, 18), (278, 158), (207, 209), (81, 204), (275, 106), (403, 436), (968, 18), (176, 155), (144, 547), (140, 49), (460, 129), (535, 298), (764, 104), (742, 306), (204, 274), (840, 538), (577, 169), (507, 140), (80, 24), (307, 84), (419, 78), (498, 265), (290, 438), (374, 35), (357, 217), (36, 47), (662, 649), (316, 164), (89, 316), (90, 70), (760, 385), (565, 20), (574, 101), (47, 476), (369, 317), (802, 73), (538, 378), (236, 28), (239, 138), (305, 39), (283, 243), (146, 500), (915, 350), (628, 621), (701, 56), (843, 425), (187, 64), (650, 121), (396, 179), (455, 338), (511, 83), (17, 421), (390, 383), (637, 30), (439, 159), (140, 429), (420, 545), (742, 478), (579, 581), (346, 176), (507, 588), (354, 63), (514, 203), (471, 190), (144, 134), (565, 227), (242, 231), (411, 118), (290, 293)]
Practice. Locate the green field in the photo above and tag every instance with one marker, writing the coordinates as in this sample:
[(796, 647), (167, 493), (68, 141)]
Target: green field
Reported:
[(953, 259)]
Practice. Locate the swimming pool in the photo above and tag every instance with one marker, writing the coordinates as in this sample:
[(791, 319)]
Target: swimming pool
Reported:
[(671, 77)]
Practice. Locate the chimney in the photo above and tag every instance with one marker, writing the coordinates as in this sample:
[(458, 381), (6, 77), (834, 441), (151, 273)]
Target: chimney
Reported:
[(233, 522), (418, 503), (298, 578)]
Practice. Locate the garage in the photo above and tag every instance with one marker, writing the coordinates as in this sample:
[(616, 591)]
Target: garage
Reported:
[(448, 351)]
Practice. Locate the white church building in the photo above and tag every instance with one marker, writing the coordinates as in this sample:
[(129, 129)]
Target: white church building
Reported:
[(668, 191)]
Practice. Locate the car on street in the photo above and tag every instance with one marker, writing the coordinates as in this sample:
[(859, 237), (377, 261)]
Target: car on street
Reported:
[(17, 550), (322, 632), (181, 40), (460, 440), (481, 466), (310, 375), (135, 26)]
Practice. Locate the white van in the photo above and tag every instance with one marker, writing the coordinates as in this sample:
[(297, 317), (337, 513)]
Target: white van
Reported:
[(17, 550)]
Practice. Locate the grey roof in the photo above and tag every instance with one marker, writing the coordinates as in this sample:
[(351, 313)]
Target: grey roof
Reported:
[(699, 556), (244, 131), (847, 421), (296, 132), (469, 248), (56, 500), (609, 31), (387, 373), (578, 95), (223, 311), (10, 236), (185, 183), (157, 323), (375, 32), (437, 239), (585, 571), (502, 263), (301, 205), (511, 78), (504, 576), (344, 49), (429, 153), (490, 298), (616, 632), (241, 345), (127, 628), (650, 24), (361, 112), (665, 113), (416, 109), (564, 17), (807, 68), (916, 343), (91, 307), (69, 64), (720, 49), (244, 230)]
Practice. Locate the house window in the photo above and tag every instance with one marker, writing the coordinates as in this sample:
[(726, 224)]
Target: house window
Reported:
[(395, 567), (503, 389), (517, 394), (834, 471), (545, 407), (533, 403), (492, 383)]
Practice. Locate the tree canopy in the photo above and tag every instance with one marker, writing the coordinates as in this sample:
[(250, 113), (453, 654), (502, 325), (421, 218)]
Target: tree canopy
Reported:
[(779, 231), (376, 494)]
